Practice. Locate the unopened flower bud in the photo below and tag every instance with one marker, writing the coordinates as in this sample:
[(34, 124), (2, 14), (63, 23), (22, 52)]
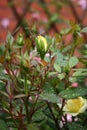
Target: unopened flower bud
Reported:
[(42, 46), (20, 40)]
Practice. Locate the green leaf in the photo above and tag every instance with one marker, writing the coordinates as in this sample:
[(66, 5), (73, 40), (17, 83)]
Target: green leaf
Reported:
[(66, 49), (9, 39), (32, 126), (52, 74), (72, 79), (79, 40), (75, 126), (73, 61), (19, 96), (54, 18), (60, 86), (3, 115), (15, 129), (80, 73), (2, 86), (4, 93), (3, 125), (48, 86), (84, 30), (57, 67), (2, 49), (70, 93), (53, 98), (60, 59), (65, 31), (61, 76), (38, 116), (80, 69)]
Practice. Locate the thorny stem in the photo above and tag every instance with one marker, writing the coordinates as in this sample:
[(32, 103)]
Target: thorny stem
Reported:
[(54, 118), (26, 108), (25, 86), (10, 111), (32, 110), (11, 76), (29, 113), (73, 45)]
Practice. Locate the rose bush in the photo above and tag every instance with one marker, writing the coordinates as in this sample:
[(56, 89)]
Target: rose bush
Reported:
[(40, 82)]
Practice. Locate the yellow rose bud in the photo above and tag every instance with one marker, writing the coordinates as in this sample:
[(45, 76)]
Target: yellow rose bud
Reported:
[(20, 40), (75, 106), (42, 43), (42, 46)]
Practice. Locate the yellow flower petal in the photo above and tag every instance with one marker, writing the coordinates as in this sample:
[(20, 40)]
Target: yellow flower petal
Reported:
[(75, 106)]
